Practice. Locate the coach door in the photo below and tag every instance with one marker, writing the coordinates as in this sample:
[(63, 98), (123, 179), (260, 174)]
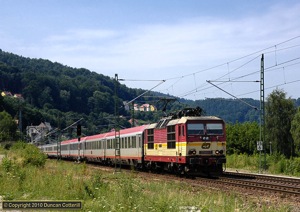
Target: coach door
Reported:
[(139, 145), (104, 149)]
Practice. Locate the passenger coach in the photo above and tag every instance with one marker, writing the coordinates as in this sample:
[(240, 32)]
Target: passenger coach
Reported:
[(183, 143)]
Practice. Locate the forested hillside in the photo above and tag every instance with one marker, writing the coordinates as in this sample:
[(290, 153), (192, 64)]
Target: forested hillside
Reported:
[(61, 95)]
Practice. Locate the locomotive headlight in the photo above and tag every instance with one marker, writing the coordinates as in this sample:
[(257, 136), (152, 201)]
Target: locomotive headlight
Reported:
[(219, 152), (192, 152)]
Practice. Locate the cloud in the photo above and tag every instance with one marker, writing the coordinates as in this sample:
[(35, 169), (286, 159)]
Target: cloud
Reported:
[(82, 35), (161, 51)]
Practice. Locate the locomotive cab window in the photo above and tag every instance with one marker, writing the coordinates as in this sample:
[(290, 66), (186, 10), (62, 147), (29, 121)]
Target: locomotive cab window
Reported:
[(214, 129), (195, 129)]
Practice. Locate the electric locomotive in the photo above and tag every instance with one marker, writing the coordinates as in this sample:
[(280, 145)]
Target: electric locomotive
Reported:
[(182, 143), (186, 143)]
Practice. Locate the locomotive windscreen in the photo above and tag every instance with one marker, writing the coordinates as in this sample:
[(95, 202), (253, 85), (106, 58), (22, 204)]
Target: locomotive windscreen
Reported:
[(214, 129), (195, 129)]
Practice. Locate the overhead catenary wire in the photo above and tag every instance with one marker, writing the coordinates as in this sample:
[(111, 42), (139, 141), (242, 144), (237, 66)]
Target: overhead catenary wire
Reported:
[(204, 86), (268, 69), (273, 86), (240, 58), (233, 96), (161, 82)]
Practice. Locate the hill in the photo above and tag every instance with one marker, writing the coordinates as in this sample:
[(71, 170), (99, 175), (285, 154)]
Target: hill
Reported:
[(60, 95)]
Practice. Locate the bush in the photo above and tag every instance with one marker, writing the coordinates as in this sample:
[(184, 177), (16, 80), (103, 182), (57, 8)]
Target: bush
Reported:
[(7, 164), (28, 154), (34, 156)]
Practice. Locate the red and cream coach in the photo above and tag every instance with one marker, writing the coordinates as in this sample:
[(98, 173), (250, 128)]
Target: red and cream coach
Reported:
[(184, 143)]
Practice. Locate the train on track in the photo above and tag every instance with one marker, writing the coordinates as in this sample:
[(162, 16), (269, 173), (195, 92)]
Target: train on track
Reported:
[(183, 143)]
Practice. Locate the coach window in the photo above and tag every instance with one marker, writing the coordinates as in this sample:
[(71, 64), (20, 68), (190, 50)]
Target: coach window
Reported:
[(122, 143), (133, 141), (103, 144), (129, 142), (125, 142), (108, 144)]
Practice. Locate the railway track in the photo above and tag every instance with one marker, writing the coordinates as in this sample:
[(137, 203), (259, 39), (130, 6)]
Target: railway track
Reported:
[(243, 183), (253, 182), (276, 184)]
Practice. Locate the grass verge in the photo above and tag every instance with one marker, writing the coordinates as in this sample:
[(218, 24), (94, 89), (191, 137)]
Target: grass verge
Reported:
[(105, 191)]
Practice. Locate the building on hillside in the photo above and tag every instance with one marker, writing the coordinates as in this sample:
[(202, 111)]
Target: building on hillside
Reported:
[(147, 107), (37, 133), (9, 94), (136, 107), (18, 96), (6, 93)]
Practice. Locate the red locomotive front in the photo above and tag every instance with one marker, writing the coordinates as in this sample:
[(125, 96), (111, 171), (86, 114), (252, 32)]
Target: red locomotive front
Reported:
[(187, 143)]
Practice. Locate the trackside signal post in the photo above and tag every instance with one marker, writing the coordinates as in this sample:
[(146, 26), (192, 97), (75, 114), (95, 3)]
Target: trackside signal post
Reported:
[(78, 135), (117, 129), (262, 111)]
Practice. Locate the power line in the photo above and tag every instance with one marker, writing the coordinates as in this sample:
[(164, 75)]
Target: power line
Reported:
[(273, 86), (233, 95), (268, 69), (162, 81), (240, 58)]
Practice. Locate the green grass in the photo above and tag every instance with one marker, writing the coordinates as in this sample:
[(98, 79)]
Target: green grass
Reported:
[(105, 191), (275, 164)]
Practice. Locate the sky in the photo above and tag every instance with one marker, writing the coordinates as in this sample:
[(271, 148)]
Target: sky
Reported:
[(193, 49)]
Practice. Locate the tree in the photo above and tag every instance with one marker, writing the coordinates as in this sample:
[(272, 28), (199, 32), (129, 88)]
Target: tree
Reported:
[(280, 112), (295, 131), (242, 137), (8, 126)]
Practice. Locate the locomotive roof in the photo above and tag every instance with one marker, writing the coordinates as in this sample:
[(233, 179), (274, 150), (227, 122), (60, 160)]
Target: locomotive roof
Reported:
[(202, 118), (183, 120)]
